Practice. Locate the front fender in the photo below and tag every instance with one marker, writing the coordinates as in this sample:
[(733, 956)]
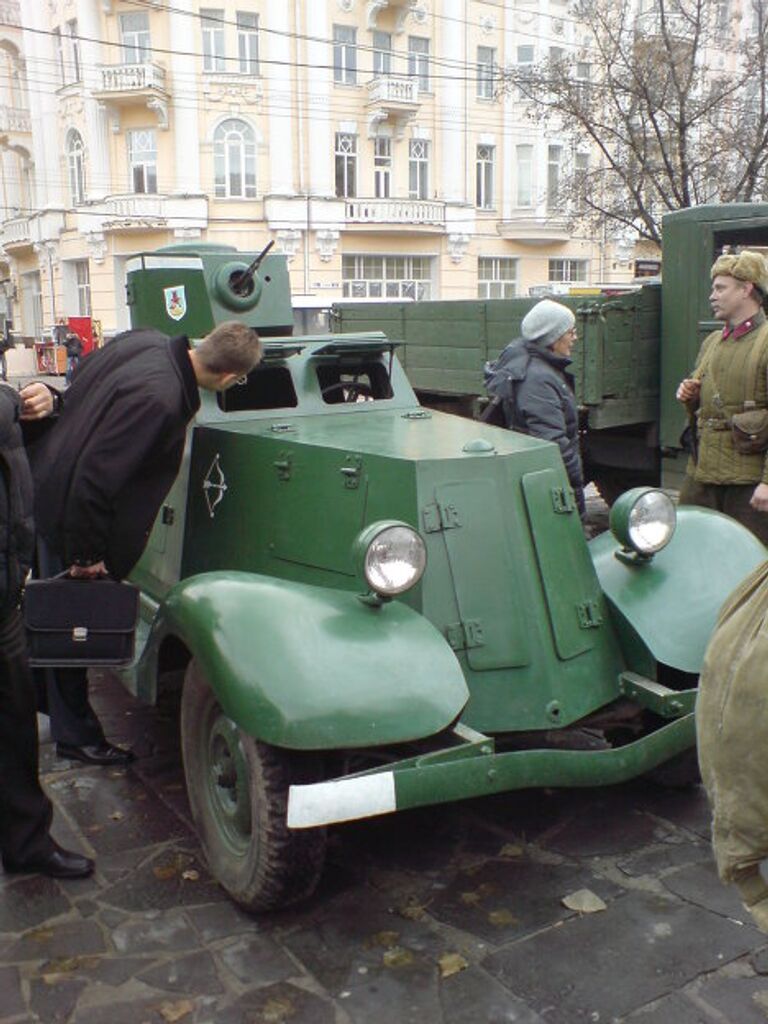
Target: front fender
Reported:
[(671, 601), (314, 668)]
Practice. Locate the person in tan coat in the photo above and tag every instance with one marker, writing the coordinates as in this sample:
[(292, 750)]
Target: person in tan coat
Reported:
[(727, 394)]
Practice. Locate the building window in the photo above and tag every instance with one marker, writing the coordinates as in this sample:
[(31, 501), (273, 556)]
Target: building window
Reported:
[(418, 169), (581, 173), (76, 166), (74, 51), (83, 282), (525, 58), (418, 60), (134, 37), (59, 46), (382, 53), (568, 271), (484, 177), (554, 164), (386, 277), (524, 164), (248, 42), (234, 160), (486, 62), (346, 165), (382, 166), (212, 24), (496, 277), (142, 160), (344, 54)]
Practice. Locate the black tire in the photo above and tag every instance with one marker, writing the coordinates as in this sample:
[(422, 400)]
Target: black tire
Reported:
[(680, 772), (238, 793)]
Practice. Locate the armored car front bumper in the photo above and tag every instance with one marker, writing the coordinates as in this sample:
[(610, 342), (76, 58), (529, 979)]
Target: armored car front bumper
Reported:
[(474, 768)]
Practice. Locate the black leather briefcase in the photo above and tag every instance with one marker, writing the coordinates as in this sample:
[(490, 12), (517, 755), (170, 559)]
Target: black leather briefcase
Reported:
[(78, 622)]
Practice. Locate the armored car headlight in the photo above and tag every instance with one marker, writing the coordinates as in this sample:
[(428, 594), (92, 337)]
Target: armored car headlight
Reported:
[(391, 556), (643, 520)]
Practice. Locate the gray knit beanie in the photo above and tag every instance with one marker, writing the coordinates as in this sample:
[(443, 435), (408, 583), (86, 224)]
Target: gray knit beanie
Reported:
[(547, 322)]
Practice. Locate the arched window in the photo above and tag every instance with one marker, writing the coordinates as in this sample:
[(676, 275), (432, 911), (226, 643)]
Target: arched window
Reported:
[(76, 166), (234, 160)]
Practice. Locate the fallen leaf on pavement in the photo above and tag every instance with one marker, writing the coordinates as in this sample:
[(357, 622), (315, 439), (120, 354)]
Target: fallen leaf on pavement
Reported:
[(190, 876), (452, 963), (173, 1012), (584, 901), (397, 957)]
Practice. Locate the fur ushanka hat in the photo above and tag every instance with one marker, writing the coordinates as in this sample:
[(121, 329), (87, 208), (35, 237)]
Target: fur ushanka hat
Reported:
[(744, 266)]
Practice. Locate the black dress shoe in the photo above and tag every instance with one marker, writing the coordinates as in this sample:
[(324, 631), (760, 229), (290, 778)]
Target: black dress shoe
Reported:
[(59, 863), (97, 753)]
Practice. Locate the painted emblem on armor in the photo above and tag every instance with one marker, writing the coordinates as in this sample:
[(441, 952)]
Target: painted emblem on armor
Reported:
[(214, 485), (175, 301)]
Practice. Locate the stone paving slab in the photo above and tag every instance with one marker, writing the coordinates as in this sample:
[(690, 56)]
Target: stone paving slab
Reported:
[(449, 915)]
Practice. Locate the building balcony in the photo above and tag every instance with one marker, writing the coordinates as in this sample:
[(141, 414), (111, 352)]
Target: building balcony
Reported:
[(536, 230), (396, 213), (16, 234), (14, 121), (10, 13), (392, 98), (402, 9), (122, 85), (133, 212)]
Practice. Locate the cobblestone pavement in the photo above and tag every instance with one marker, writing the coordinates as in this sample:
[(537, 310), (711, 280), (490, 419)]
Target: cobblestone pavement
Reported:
[(451, 915)]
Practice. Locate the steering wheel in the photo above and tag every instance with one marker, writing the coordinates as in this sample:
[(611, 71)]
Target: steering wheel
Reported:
[(351, 389)]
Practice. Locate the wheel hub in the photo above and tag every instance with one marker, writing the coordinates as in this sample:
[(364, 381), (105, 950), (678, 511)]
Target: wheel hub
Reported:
[(228, 788)]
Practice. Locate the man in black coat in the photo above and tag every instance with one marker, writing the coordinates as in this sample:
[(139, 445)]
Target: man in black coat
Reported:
[(103, 471), (25, 811), (531, 378)]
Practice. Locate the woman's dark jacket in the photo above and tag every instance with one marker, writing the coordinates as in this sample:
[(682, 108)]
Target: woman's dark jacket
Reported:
[(102, 471), (538, 399), (16, 526)]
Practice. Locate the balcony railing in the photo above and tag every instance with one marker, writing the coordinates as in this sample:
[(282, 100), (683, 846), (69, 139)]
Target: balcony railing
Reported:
[(127, 78), (134, 207), (16, 231), (14, 119), (395, 211), (10, 12), (394, 89)]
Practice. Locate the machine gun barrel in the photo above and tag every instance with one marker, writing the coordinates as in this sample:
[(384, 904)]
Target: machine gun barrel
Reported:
[(239, 284)]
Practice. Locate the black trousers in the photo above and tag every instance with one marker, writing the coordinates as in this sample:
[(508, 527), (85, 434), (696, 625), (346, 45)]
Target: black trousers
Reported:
[(62, 693), (25, 810)]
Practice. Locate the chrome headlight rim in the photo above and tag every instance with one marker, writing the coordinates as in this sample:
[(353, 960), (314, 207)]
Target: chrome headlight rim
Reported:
[(626, 520), (364, 551)]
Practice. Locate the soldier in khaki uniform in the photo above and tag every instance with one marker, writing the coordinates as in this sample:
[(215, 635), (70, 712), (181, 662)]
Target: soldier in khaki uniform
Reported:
[(728, 394)]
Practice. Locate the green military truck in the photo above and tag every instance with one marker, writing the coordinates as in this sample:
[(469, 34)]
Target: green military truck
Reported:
[(377, 606), (634, 347)]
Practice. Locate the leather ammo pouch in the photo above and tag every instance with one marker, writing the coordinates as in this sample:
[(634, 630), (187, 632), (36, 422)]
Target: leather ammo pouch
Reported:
[(749, 430), (76, 622)]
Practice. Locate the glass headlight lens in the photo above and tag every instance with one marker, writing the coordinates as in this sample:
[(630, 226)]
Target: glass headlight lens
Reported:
[(644, 520), (394, 560)]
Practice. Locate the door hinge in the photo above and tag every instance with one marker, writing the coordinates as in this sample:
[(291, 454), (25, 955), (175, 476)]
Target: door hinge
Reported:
[(562, 500), (462, 636), (440, 517), (589, 615), (283, 465), (351, 471)]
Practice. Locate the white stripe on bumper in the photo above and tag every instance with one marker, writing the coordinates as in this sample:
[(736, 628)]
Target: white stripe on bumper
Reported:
[(341, 800)]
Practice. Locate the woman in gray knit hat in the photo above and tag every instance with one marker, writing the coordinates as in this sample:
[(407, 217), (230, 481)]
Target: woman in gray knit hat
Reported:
[(531, 379)]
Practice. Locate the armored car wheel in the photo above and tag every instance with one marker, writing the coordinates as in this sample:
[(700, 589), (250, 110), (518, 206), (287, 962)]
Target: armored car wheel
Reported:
[(238, 792)]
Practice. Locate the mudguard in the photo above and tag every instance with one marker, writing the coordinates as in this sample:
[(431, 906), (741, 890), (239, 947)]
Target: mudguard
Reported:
[(313, 668), (671, 601)]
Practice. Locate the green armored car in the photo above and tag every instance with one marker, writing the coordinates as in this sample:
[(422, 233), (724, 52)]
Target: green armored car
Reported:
[(380, 607)]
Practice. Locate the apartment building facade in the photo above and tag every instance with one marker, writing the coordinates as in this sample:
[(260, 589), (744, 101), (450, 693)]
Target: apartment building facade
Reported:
[(368, 138)]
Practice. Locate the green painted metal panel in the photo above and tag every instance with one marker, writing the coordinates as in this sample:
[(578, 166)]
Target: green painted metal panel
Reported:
[(482, 573), (672, 601), (567, 573), (313, 667)]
